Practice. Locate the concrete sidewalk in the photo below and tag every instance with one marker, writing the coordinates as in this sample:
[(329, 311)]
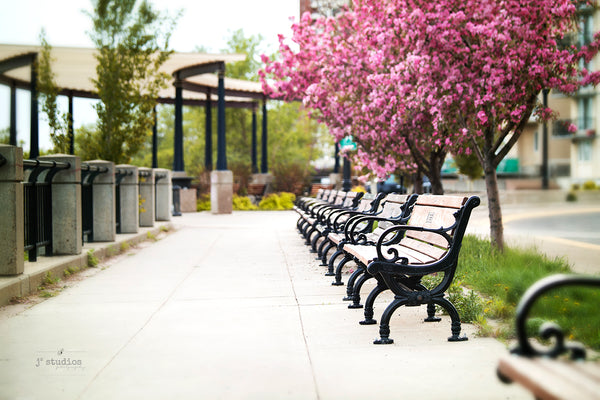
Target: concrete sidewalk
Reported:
[(232, 307)]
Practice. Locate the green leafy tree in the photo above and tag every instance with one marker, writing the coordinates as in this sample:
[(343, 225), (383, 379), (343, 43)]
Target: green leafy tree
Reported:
[(469, 165), (48, 93), (132, 44), (294, 138), (292, 135), (5, 136)]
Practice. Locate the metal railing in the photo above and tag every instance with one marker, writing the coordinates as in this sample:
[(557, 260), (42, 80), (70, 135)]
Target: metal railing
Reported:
[(88, 174), (120, 174), (157, 177), (37, 196)]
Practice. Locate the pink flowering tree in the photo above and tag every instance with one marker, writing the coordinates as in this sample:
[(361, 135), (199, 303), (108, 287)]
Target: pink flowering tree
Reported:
[(482, 65), (341, 73), (414, 79)]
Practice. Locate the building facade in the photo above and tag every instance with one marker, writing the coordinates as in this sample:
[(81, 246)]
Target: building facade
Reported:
[(573, 157)]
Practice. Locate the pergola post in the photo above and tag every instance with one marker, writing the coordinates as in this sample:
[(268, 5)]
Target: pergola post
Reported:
[(178, 165), (254, 141), (70, 126), (221, 180), (264, 167), (13, 115), (208, 160), (221, 142), (155, 139), (34, 145)]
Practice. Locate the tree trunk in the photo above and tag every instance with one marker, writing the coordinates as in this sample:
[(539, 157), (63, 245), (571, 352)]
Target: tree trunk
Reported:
[(494, 209), (418, 182), (435, 172)]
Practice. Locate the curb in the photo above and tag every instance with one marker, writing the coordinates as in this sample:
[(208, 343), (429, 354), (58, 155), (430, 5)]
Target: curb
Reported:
[(27, 283)]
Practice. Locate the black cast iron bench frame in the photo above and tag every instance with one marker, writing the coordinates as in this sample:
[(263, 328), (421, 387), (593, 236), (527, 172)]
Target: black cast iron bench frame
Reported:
[(407, 253), (542, 370)]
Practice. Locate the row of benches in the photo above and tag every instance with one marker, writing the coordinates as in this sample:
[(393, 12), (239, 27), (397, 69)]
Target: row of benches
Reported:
[(396, 240)]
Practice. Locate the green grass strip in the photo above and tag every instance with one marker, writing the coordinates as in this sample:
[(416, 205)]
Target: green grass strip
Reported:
[(501, 278)]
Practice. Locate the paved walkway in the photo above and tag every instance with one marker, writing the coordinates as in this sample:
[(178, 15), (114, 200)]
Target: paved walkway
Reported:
[(231, 307)]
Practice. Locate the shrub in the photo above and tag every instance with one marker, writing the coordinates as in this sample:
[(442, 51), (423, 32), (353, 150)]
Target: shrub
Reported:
[(290, 177), (275, 201), (589, 185), (287, 200), (571, 196), (203, 203), (243, 203)]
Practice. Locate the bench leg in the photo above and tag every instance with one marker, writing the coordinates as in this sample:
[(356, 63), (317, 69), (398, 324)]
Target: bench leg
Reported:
[(431, 314), (313, 243), (299, 224), (325, 250), (350, 285), (384, 325), (338, 271), (331, 261), (309, 232), (453, 313), (377, 290), (356, 290)]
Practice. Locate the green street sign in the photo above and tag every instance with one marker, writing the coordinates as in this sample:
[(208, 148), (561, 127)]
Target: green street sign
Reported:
[(347, 143)]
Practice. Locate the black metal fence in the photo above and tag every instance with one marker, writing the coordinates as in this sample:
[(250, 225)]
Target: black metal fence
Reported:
[(120, 174), (88, 174), (37, 194)]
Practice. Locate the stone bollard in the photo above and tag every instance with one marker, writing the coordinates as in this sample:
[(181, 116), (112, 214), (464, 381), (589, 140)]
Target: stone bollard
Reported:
[(66, 206), (104, 202), (146, 202), (163, 191), (12, 223), (221, 192), (129, 199)]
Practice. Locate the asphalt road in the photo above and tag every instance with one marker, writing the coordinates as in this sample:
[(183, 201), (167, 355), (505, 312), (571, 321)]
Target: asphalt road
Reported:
[(582, 227)]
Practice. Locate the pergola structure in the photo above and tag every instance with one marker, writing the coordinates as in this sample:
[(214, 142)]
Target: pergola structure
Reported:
[(198, 79)]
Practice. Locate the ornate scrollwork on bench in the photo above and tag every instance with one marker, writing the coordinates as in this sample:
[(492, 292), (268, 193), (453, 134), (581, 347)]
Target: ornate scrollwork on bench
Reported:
[(548, 330)]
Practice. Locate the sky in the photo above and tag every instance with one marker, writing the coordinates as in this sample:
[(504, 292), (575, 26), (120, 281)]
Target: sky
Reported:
[(203, 23)]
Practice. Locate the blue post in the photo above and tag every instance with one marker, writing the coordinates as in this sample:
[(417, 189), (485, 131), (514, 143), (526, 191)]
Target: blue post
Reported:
[(13, 115), (155, 140), (264, 161), (70, 127), (254, 141), (221, 143), (178, 140), (34, 145), (208, 161)]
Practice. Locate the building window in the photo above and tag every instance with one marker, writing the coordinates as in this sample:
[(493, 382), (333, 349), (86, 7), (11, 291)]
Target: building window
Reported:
[(536, 141), (585, 111), (584, 150)]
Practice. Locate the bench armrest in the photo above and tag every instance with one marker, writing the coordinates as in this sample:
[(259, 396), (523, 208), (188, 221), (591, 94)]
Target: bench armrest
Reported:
[(394, 235), (354, 231), (548, 330)]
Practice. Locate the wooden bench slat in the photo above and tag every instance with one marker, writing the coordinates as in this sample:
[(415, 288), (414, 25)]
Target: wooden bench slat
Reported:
[(552, 379), (413, 256), (431, 252), (441, 201)]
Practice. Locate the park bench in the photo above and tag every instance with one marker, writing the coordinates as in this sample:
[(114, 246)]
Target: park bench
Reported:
[(336, 223), (304, 206), (556, 372), (319, 212), (395, 209), (318, 224), (257, 189), (428, 244)]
